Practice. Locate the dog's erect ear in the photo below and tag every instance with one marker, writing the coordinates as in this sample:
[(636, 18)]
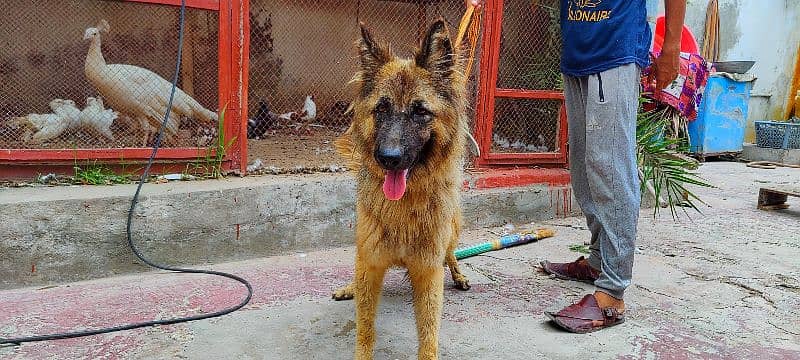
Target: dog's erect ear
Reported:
[(436, 52), (372, 54)]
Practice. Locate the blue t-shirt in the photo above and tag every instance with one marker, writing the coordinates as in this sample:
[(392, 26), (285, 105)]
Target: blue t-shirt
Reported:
[(602, 34)]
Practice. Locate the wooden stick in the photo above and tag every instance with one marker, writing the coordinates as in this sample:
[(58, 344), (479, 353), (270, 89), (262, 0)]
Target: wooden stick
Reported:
[(464, 24), (466, 19)]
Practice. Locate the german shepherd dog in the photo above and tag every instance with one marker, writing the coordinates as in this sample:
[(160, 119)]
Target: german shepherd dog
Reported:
[(406, 143)]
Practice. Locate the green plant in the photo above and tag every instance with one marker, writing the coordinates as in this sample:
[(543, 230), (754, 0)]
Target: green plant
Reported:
[(579, 248), (543, 75), (662, 170), (542, 67), (210, 165), (94, 174), (221, 145)]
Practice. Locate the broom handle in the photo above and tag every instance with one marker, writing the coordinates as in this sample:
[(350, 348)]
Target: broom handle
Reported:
[(502, 243)]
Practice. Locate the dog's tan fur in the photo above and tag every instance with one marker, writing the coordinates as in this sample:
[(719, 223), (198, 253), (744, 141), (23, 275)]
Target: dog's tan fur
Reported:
[(421, 230)]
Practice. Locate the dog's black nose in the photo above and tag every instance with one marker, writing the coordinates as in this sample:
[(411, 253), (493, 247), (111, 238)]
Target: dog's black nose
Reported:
[(389, 158)]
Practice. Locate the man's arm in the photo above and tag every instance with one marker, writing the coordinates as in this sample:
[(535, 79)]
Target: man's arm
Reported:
[(666, 66)]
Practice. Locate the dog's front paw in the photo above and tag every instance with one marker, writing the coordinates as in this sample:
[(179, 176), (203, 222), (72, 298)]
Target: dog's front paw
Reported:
[(344, 293), (461, 282)]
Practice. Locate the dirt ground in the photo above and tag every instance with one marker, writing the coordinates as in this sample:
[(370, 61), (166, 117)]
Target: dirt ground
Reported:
[(288, 150)]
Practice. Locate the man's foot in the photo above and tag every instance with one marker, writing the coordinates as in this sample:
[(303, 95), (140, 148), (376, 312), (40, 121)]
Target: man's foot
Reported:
[(605, 300), (578, 270), (588, 315)]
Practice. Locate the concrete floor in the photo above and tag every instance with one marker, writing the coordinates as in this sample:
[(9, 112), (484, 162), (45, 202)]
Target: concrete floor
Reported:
[(724, 285)]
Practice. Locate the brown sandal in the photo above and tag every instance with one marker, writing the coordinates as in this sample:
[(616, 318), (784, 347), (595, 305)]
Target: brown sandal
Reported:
[(578, 270), (586, 316)]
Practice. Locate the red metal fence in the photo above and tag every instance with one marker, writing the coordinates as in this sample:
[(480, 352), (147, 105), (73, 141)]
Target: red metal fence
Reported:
[(305, 48), (521, 115), (66, 99), (284, 63)]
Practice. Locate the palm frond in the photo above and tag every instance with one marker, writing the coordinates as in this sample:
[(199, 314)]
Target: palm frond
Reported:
[(663, 172)]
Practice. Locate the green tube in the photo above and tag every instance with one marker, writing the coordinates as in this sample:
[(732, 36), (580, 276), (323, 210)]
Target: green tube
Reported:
[(504, 242), (473, 250)]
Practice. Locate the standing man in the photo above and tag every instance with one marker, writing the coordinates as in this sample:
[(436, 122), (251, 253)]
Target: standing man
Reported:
[(606, 43)]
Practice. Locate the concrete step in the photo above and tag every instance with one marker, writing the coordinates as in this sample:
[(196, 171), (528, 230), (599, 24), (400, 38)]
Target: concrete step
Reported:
[(752, 152), (51, 235)]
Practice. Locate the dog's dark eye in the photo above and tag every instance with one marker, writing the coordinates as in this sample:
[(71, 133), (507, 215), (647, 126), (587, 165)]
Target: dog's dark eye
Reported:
[(382, 107), (420, 113)]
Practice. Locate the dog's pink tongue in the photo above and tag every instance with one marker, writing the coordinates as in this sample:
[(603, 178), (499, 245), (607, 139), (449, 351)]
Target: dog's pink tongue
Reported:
[(394, 184)]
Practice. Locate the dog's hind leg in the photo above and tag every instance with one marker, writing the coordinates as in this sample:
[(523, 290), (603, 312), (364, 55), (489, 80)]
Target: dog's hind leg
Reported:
[(428, 284), (345, 292), (368, 283)]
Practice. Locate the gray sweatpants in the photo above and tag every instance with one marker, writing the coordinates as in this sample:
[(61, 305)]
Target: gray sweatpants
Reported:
[(602, 153)]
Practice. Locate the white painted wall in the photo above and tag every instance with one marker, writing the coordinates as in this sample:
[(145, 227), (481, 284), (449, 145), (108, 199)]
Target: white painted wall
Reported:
[(765, 31)]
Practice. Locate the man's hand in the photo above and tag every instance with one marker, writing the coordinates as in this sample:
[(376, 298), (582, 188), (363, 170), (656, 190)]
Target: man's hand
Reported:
[(475, 3), (665, 68)]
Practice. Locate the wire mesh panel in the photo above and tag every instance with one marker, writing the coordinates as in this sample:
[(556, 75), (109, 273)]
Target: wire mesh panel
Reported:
[(96, 74), (525, 125), (530, 45), (527, 113), (302, 56)]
